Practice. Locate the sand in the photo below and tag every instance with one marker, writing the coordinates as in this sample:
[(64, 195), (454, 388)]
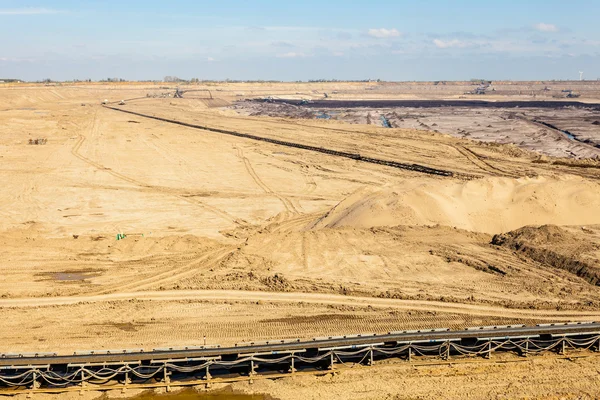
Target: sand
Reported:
[(489, 205), (240, 239), (536, 379)]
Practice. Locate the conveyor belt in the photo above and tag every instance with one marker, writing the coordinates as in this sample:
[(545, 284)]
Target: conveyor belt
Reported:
[(354, 156), (436, 335)]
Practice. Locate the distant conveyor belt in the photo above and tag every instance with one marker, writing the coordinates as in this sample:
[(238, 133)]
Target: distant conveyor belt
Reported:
[(353, 156)]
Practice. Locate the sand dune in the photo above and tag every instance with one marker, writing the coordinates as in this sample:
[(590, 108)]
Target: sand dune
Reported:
[(488, 205)]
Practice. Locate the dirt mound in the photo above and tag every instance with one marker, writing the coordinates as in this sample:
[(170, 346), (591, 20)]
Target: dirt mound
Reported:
[(555, 247), (510, 149), (488, 205), (543, 235), (579, 163)]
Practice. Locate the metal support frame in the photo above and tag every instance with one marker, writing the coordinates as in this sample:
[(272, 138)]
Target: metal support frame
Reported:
[(166, 378), (489, 352), (409, 353), (292, 369), (126, 382), (83, 382), (35, 384), (207, 376), (331, 360)]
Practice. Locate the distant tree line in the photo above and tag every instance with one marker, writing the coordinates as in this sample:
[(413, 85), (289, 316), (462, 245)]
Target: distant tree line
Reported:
[(113, 80), (341, 80)]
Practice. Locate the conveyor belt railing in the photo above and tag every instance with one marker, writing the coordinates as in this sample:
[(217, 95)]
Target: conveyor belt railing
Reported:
[(247, 359)]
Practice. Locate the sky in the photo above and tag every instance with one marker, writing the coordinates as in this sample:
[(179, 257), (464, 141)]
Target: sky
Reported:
[(393, 40)]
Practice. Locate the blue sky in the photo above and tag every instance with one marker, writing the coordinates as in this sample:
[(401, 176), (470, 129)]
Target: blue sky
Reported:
[(300, 40)]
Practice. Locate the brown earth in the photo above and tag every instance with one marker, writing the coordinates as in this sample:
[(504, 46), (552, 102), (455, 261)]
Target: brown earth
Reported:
[(577, 252), (239, 239), (521, 125)]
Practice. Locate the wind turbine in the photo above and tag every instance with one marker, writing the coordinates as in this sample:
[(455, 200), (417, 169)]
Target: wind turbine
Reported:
[(580, 75)]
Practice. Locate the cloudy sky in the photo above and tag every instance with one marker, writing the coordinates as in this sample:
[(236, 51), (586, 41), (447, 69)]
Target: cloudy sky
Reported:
[(300, 40)]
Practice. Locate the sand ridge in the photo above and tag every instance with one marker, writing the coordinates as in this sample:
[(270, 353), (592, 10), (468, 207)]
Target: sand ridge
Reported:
[(489, 205)]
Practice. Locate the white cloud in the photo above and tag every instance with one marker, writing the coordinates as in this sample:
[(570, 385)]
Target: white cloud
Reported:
[(210, 59), (446, 44), (27, 11), (16, 60), (384, 33), (542, 27), (291, 54), (337, 53)]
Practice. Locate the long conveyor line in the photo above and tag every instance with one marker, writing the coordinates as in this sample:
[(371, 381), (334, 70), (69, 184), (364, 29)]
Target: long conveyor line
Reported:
[(354, 156), (434, 335), (42, 372)]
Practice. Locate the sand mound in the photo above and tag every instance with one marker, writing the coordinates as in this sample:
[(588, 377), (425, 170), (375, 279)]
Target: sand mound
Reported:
[(488, 205), (556, 247), (538, 235)]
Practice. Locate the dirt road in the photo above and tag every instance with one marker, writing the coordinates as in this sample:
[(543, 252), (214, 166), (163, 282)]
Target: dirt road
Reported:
[(311, 298)]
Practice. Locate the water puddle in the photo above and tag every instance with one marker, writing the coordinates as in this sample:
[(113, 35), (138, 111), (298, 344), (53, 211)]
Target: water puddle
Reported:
[(72, 276), (568, 134), (385, 122), (563, 131)]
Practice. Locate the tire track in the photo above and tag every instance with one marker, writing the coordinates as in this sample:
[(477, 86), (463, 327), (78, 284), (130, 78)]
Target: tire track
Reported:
[(285, 201), (172, 274), (293, 223), (94, 127), (304, 249), (480, 163), (311, 184)]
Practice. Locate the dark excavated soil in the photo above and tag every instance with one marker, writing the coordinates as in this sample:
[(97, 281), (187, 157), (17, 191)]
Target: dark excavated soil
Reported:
[(438, 103), (555, 247)]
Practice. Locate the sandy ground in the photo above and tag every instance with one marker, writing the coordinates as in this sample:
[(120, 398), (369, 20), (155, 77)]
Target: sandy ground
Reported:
[(238, 239), (535, 379)]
